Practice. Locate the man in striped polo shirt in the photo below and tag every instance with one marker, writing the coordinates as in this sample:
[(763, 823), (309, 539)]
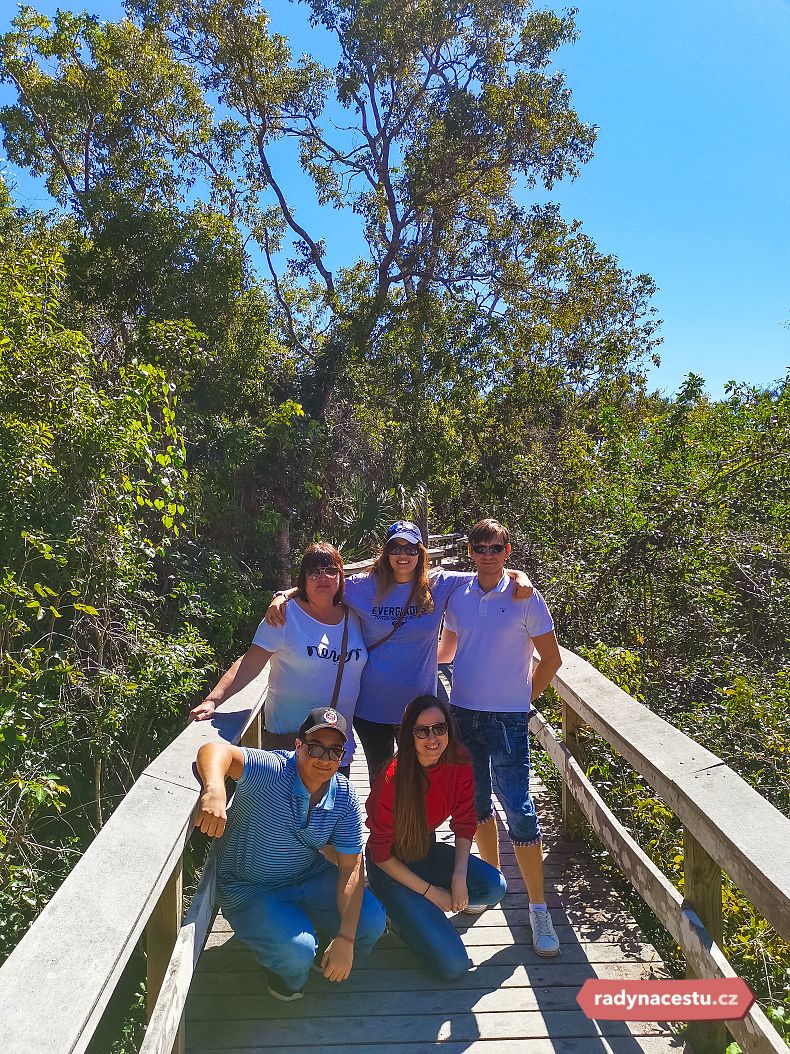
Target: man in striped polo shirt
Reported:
[(275, 887)]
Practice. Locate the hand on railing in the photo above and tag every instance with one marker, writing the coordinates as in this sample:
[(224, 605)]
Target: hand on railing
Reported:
[(203, 711)]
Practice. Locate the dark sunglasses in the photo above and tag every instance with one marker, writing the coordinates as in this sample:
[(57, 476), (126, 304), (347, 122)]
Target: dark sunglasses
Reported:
[(323, 572), (318, 750), (423, 731), (406, 550), (481, 550)]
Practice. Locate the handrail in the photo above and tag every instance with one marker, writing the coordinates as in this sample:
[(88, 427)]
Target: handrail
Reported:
[(728, 826), (56, 984)]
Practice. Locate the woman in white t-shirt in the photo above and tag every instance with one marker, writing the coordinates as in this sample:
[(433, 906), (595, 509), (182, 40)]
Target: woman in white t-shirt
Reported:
[(304, 655)]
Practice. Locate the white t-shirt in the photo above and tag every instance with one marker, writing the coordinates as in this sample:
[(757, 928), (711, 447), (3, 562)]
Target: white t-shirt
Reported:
[(304, 670), (492, 670)]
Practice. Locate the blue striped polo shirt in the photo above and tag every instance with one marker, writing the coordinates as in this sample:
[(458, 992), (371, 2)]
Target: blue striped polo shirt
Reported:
[(268, 840)]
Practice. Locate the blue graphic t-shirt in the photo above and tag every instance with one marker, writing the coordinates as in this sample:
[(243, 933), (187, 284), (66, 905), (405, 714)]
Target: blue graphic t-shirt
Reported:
[(405, 665), (304, 669)]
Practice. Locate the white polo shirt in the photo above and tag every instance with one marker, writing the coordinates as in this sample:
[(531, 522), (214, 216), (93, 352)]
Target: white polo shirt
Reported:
[(492, 669)]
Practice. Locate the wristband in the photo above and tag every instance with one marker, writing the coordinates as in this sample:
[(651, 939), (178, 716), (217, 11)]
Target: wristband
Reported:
[(281, 593), (428, 887), (343, 937)]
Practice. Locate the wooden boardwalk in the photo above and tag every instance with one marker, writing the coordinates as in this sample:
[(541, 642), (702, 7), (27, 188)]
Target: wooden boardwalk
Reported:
[(512, 1002)]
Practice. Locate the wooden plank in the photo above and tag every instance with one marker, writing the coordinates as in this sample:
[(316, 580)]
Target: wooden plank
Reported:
[(282, 1033), (666, 1044), (572, 817), (504, 930), (489, 975), (708, 797), (224, 949), (702, 889), (325, 1003), (161, 934), (165, 1030), (253, 733)]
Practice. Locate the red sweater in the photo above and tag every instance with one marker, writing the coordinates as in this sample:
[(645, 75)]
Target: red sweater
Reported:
[(450, 793)]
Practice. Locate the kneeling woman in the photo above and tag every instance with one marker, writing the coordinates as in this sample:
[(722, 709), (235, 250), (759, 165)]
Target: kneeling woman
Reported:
[(416, 878)]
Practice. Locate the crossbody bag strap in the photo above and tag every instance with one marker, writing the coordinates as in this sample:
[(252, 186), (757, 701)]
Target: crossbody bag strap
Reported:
[(341, 663), (398, 621)]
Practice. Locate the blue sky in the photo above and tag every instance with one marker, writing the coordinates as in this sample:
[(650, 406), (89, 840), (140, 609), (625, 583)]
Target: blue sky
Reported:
[(691, 176)]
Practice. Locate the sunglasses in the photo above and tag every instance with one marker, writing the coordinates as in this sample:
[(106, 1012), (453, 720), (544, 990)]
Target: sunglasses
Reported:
[(481, 550), (323, 572), (318, 750), (423, 731), (405, 550)]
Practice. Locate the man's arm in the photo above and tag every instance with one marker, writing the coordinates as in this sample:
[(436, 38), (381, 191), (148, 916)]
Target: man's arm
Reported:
[(215, 761), (241, 673), (447, 645), (550, 662), (339, 955)]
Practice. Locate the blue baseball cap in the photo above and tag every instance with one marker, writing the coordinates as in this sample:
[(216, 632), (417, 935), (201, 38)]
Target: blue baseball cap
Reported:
[(410, 532)]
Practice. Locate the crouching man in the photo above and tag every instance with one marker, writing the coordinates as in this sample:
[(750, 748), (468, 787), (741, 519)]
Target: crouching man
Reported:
[(275, 887)]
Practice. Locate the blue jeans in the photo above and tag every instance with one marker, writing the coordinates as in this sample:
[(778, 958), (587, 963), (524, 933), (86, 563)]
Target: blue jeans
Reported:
[(280, 925), (421, 925), (499, 743)]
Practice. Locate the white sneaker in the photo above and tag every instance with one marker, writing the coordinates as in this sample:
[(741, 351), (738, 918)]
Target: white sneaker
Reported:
[(544, 940)]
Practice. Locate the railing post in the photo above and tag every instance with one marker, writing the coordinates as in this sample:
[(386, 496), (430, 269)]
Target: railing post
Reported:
[(252, 737), (702, 890), (572, 816), (161, 934)]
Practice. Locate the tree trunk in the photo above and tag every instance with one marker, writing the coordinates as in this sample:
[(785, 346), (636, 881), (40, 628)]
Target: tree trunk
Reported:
[(283, 553)]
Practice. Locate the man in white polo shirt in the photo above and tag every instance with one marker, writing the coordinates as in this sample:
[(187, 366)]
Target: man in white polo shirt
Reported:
[(491, 638)]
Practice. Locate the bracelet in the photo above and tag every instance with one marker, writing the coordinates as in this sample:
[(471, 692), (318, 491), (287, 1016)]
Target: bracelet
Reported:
[(343, 937), (281, 593), (428, 887)]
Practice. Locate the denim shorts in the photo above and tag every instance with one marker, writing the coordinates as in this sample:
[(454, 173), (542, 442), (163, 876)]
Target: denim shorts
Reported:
[(499, 746)]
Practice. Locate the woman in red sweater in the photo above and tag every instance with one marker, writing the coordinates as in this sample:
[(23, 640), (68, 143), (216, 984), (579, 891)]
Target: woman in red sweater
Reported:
[(417, 879)]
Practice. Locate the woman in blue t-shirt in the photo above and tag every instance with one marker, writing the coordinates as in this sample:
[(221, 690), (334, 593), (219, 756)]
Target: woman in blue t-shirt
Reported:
[(401, 603)]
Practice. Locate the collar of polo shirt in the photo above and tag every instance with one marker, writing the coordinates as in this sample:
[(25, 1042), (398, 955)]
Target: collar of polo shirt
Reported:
[(299, 790), (500, 587)]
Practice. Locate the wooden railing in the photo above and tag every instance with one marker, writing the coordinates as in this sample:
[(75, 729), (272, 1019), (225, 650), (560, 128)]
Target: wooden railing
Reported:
[(58, 981), (727, 826)]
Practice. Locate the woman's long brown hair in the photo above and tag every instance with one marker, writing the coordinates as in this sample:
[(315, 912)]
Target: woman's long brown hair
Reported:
[(382, 572), (411, 840)]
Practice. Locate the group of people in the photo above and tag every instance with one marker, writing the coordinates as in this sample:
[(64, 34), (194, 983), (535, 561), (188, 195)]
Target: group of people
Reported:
[(360, 655)]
